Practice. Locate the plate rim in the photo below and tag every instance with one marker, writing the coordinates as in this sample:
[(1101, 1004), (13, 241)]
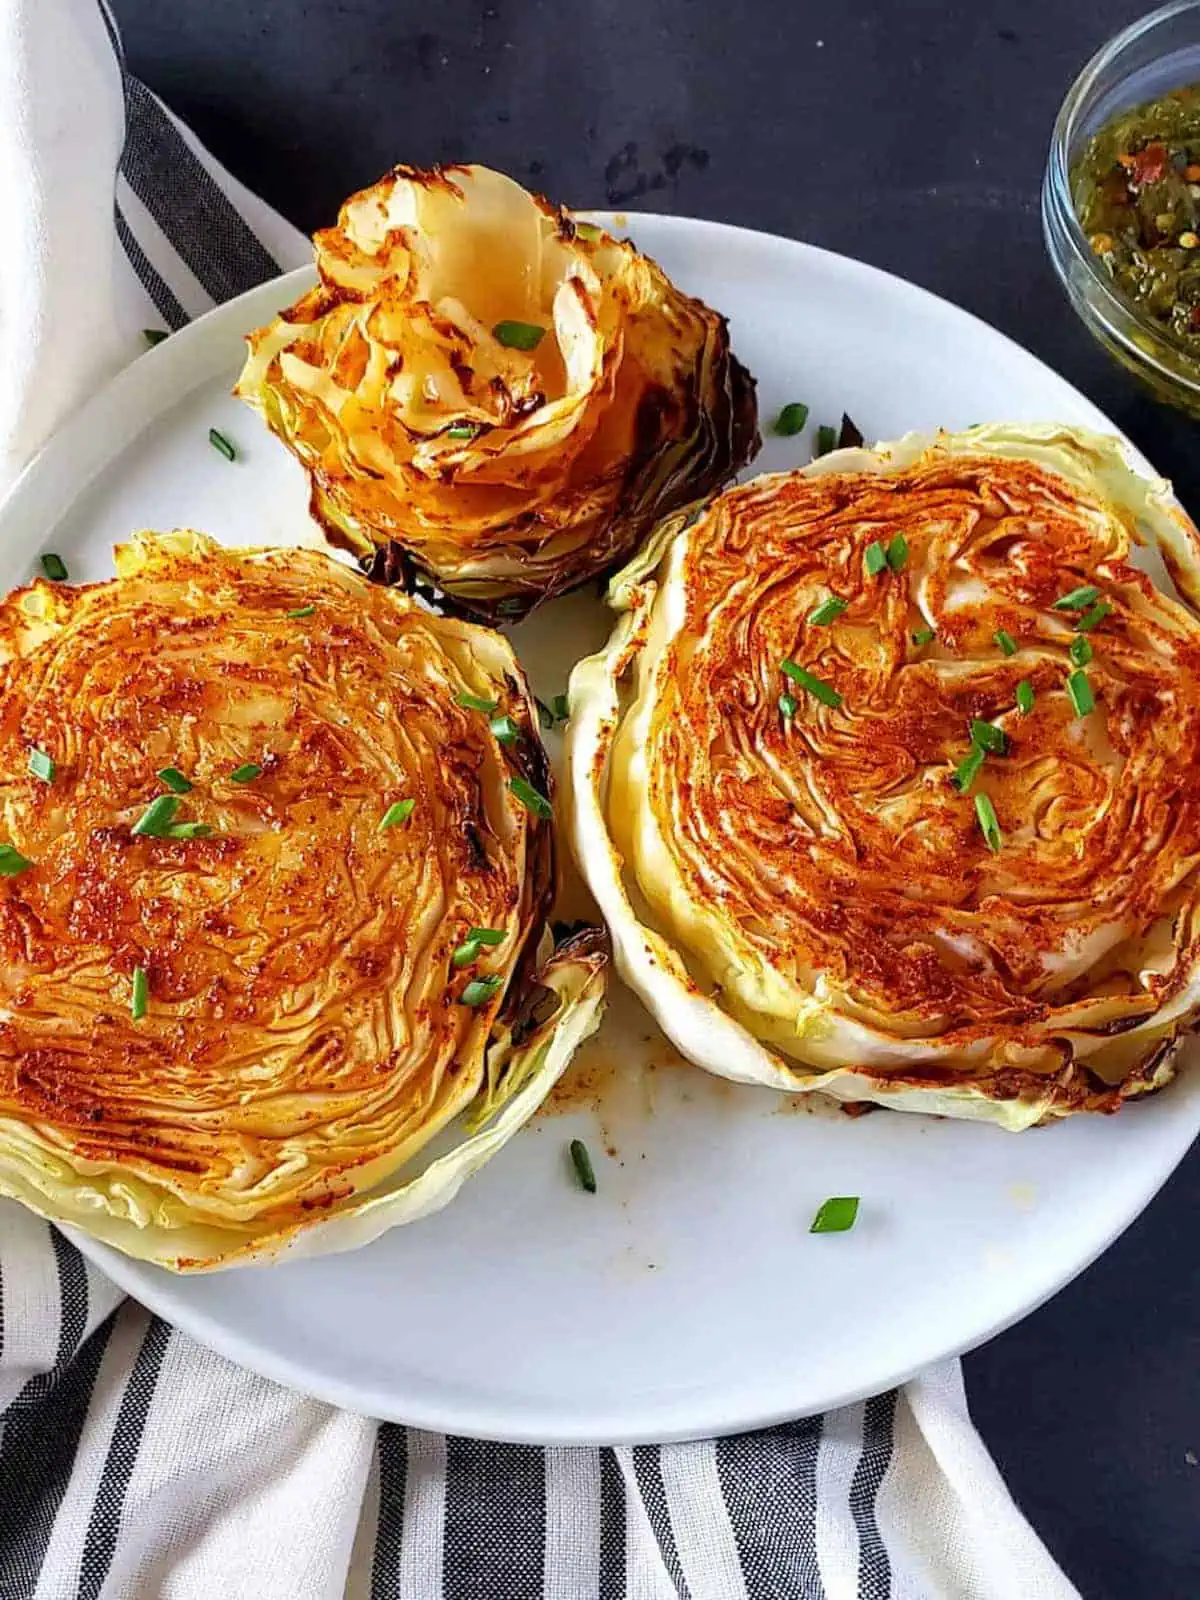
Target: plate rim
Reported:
[(172, 370)]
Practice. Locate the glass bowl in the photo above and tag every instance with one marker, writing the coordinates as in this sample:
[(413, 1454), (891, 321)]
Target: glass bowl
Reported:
[(1149, 58)]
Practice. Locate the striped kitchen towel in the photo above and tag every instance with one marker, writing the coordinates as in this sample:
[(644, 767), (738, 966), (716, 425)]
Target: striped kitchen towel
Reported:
[(134, 1463)]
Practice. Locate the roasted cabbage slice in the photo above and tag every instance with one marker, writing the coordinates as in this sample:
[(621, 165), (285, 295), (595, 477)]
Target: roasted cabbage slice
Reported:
[(887, 780), (275, 864), (506, 399)]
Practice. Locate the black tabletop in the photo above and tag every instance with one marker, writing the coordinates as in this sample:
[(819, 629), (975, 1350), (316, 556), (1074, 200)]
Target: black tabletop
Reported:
[(912, 135)]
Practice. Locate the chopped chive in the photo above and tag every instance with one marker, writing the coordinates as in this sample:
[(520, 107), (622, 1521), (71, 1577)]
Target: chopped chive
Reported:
[(530, 798), (399, 811), (175, 780), (474, 702), (1080, 651), (1077, 599), (140, 994), (817, 687), (462, 430), (967, 770), (1093, 617), (1025, 696), (787, 704), (582, 1162), (546, 717), (42, 765), (792, 418), (12, 861), (479, 990), (54, 567), (827, 610), (561, 707), (987, 736), (469, 950), (897, 553), (924, 636), (154, 336), (875, 559), (221, 443), (504, 729), (1006, 641), (518, 335), (157, 817), (826, 439), (301, 611), (588, 230), (1080, 692), (837, 1215), (246, 773), (986, 812), (189, 830)]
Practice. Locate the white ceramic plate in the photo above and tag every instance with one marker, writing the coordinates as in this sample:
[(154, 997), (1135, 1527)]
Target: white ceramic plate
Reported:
[(687, 1297)]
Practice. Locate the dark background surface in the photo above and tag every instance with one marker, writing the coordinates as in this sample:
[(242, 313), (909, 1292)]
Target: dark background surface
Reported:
[(912, 135)]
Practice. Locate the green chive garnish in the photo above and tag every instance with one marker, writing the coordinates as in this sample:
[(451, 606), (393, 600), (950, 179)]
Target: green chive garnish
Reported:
[(582, 1162), (301, 611), (157, 817), (530, 798), (189, 830), (246, 773), (875, 559), (1025, 696), (550, 715), (154, 336), (479, 990), (1080, 651), (462, 430), (826, 439), (817, 687), (787, 704), (827, 610), (504, 729), (792, 418), (518, 335), (399, 811), (54, 567), (987, 736), (968, 770), (837, 1215), (42, 765), (924, 636), (588, 230), (474, 702), (476, 938), (140, 995), (1006, 641), (12, 861), (1077, 599), (986, 812), (175, 780), (1080, 691), (1093, 618), (897, 553), (221, 443)]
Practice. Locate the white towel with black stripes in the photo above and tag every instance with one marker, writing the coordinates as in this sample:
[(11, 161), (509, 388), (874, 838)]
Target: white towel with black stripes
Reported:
[(134, 1463)]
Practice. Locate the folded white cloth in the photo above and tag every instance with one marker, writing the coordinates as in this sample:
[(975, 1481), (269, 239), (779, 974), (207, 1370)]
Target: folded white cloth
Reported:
[(134, 1463)]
